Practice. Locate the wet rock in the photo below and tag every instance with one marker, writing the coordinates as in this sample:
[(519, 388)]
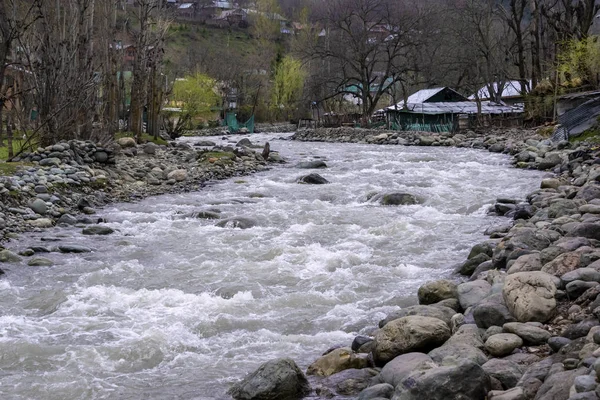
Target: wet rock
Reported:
[(558, 342), (275, 379), (67, 219), (336, 361), (237, 222), (529, 296), (469, 266), (7, 256), (586, 229), (97, 230), (73, 248), (579, 329), (311, 164), (435, 291), (313, 179), (40, 262), (398, 199), (41, 223), (409, 334)]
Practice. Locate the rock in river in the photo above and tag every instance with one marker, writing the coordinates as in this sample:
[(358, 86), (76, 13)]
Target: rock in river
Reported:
[(275, 379), (313, 179), (97, 230)]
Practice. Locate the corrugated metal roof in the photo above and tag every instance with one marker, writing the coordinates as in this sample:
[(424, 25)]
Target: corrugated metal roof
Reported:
[(424, 94), (457, 107), (580, 95), (511, 89)]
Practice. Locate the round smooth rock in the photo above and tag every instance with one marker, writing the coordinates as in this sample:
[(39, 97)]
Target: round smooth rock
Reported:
[(503, 344)]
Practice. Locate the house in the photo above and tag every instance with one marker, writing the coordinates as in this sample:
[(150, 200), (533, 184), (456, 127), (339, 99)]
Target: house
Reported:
[(186, 10), (236, 17), (446, 110), (511, 92), (213, 9)]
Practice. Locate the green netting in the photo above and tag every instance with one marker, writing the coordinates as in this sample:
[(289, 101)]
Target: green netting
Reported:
[(234, 126)]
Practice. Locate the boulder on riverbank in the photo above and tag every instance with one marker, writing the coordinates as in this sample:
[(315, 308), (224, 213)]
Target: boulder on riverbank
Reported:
[(273, 380)]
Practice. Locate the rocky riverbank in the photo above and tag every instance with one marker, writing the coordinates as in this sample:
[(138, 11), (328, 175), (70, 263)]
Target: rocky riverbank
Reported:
[(518, 320), (64, 183), (258, 128)]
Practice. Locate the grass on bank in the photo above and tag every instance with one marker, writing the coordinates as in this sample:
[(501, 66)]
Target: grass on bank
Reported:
[(591, 136), (9, 168)]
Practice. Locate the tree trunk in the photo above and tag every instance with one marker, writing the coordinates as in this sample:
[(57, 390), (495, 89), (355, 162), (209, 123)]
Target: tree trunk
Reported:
[(9, 137)]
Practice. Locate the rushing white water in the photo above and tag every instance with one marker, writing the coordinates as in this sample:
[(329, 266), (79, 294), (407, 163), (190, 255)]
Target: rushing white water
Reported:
[(174, 307)]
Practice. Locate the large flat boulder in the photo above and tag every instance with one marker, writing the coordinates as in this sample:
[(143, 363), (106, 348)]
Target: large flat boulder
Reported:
[(337, 361)]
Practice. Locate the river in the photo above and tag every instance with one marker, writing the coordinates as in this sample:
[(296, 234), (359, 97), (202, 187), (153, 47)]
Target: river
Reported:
[(174, 307)]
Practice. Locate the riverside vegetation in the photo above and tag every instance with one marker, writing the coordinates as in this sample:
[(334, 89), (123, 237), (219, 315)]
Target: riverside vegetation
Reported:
[(518, 320)]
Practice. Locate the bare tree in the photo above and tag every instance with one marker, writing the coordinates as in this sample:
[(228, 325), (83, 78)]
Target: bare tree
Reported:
[(149, 27), (15, 19), (365, 48)]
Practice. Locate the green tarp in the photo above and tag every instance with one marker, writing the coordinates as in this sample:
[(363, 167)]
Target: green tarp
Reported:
[(234, 125)]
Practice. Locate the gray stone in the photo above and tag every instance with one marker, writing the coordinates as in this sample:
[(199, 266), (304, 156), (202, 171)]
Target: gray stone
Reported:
[(435, 291), (409, 334), (507, 372), (557, 386), (40, 262), (472, 293), (470, 265), (237, 222), (453, 352), (434, 311), (313, 179), (381, 390), (585, 383), (39, 206), (525, 263), (398, 369), (73, 248), (349, 382), (7, 256), (275, 379), (577, 288), (516, 393), (579, 329), (311, 164), (492, 312), (563, 264), (97, 230), (398, 199), (464, 381), (581, 274), (587, 230), (530, 334), (503, 344)]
